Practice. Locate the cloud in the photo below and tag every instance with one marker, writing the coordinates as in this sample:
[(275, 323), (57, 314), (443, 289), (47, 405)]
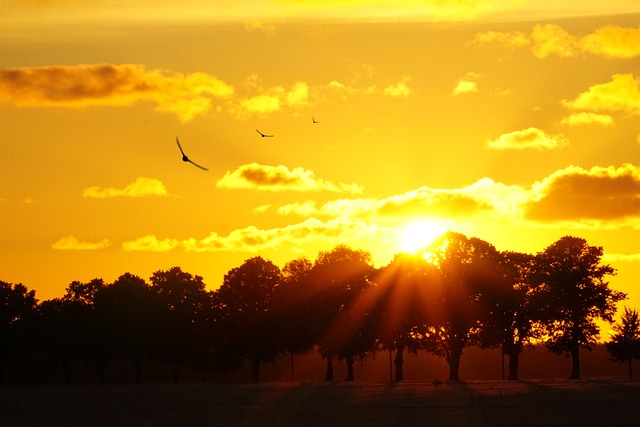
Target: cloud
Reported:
[(610, 41), (150, 243), (552, 39), (465, 86), (622, 93), (256, 99), (272, 99), (425, 200), (400, 89), (528, 138), (254, 239), (572, 197), (72, 243), (307, 208), (512, 39), (574, 194), (141, 187), (607, 257), (484, 197), (584, 118), (80, 86), (613, 42), (280, 178)]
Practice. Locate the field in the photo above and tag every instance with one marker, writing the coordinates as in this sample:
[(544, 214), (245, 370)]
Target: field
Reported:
[(592, 402)]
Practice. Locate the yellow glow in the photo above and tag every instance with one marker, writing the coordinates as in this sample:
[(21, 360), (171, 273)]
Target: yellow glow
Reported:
[(418, 234)]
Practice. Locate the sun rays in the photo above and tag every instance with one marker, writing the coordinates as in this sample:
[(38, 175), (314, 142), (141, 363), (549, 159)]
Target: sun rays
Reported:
[(420, 233)]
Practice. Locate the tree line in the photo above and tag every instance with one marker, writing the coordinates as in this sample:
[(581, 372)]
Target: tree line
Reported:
[(459, 292)]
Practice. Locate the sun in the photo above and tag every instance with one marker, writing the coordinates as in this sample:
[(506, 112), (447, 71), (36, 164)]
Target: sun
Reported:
[(416, 235)]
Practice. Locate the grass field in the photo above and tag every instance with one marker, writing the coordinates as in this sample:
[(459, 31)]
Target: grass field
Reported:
[(593, 402)]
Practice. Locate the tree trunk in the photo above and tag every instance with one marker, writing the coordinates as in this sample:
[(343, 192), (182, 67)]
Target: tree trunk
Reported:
[(514, 359), (454, 364), (575, 362), (631, 368), (399, 362), (329, 376), (350, 361), (255, 369)]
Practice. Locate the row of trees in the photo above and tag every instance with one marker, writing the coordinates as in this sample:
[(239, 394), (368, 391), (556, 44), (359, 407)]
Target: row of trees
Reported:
[(459, 292)]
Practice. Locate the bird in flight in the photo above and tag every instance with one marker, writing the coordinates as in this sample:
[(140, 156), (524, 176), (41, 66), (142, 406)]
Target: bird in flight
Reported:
[(185, 158), (313, 119), (263, 135)]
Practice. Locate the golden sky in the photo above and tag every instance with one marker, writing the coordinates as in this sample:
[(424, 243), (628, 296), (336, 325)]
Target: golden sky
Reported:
[(506, 120)]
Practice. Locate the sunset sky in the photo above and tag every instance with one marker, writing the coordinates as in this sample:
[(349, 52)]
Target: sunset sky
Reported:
[(505, 120)]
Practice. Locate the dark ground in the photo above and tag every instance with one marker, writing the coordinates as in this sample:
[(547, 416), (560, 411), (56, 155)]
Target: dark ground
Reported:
[(593, 402)]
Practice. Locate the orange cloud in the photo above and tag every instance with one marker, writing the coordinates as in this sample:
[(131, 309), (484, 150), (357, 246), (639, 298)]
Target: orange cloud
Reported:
[(571, 197), (254, 239), (280, 178), (512, 39), (150, 243), (400, 89), (547, 40), (609, 257), (528, 138), (484, 197), (272, 99), (73, 244), (141, 187), (79, 86), (465, 86), (427, 201), (622, 93), (574, 194), (584, 118), (613, 42)]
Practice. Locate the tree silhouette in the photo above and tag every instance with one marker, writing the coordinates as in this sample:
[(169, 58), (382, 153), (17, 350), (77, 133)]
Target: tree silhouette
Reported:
[(339, 278), (243, 303), (293, 304), (84, 292), (184, 303), (402, 304), (80, 299), (63, 333), (573, 293), (468, 267), (17, 305), (128, 310), (511, 312), (624, 345), (459, 292)]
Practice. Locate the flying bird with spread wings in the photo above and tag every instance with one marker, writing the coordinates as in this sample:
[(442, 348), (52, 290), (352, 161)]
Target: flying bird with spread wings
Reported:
[(263, 135), (186, 159)]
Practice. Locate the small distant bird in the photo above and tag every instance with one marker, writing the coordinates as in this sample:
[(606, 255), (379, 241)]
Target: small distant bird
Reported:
[(185, 158), (313, 119), (263, 135)]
